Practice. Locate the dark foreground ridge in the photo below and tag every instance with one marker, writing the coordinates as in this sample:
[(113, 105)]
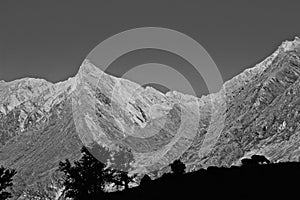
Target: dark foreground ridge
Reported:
[(256, 178), (249, 181)]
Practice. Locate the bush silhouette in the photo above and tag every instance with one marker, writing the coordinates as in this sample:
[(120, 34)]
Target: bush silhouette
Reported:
[(255, 160), (260, 159), (6, 176), (178, 167)]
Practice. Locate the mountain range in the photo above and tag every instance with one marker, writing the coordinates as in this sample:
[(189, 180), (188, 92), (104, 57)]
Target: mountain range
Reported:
[(142, 130)]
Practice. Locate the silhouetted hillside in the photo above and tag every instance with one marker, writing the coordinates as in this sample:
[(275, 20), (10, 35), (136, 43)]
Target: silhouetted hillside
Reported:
[(249, 181), (256, 178)]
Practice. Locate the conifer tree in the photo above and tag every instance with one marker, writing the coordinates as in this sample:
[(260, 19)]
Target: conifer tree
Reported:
[(6, 178)]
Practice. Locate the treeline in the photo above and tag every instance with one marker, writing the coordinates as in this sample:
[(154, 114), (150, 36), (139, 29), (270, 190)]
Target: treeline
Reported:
[(89, 178)]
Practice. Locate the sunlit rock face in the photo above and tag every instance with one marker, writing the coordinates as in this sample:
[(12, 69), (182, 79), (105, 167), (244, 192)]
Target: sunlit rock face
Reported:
[(261, 115), (137, 128), (36, 129), (28, 104), (141, 130), (146, 130)]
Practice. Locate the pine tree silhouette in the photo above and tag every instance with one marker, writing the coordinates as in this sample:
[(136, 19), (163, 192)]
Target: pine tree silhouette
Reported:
[(6, 176), (85, 178)]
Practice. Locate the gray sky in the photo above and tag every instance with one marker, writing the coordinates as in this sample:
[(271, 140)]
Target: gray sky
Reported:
[(50, 40)]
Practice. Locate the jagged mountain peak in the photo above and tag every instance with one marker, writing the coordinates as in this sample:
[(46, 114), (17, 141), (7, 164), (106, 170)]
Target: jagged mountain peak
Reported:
[(88, 70), (87, 66), (244, 77), (293, 45)]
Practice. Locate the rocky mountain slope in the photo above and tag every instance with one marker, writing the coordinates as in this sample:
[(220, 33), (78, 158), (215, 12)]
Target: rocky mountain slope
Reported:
[(142, 130)]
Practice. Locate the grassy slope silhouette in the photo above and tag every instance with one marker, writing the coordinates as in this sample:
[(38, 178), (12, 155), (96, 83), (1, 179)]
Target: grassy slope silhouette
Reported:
[(256, 178)]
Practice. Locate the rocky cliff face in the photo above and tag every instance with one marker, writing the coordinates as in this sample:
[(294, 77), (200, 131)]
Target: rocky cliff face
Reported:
[(36, 129), (142, 130)]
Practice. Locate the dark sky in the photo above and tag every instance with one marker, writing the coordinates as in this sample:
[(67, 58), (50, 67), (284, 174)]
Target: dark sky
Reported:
[(50, 40)]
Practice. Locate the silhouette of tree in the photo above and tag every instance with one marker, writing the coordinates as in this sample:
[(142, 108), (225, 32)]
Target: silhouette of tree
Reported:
[(88, 177), (85, 178), (178, 167), (126, 179), (119, 178), (6, 176)]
